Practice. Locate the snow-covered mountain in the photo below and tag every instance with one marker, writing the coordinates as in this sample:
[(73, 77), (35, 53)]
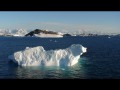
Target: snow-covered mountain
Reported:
[(15, 32), (35, 33), (4, 32), (19, 32), (44, 33)]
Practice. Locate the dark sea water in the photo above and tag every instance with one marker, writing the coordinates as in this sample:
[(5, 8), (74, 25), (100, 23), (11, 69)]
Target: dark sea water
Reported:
[(102, 60)]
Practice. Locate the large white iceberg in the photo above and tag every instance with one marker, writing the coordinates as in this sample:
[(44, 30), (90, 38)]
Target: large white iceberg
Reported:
[(37, 56)]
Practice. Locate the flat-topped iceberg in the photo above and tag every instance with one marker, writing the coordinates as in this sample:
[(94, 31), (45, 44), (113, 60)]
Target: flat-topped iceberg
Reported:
[(38, 56)]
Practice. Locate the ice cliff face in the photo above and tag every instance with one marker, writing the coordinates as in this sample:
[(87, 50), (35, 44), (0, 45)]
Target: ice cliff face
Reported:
[(37, 56)]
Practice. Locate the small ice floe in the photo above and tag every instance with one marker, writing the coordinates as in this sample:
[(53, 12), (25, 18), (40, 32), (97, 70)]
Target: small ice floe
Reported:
[(50, 40), (55, 41), (62, 69)]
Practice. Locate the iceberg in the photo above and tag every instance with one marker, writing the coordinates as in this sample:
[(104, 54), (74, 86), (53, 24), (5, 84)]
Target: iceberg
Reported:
[(38, 56)]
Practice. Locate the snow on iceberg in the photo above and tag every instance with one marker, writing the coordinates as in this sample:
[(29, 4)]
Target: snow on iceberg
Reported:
[(37, 56)]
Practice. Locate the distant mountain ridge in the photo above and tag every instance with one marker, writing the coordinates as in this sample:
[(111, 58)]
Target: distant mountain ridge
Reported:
[(39, 31), (36, 33), (19, 32), (46, 33), (15, 32)]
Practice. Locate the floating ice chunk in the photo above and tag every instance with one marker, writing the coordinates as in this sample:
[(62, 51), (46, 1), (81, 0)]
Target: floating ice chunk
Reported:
[(50, 40), (37, 56), (27, 47), (62, 69), (55, 40)]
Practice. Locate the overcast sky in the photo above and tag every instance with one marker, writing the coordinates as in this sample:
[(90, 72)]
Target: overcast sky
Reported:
[(68, 21)]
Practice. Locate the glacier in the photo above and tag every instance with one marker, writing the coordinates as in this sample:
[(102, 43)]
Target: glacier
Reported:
[(42, 35), (38, 56)]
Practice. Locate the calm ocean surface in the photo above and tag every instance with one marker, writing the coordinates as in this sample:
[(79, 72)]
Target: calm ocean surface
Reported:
[(102, 60)]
